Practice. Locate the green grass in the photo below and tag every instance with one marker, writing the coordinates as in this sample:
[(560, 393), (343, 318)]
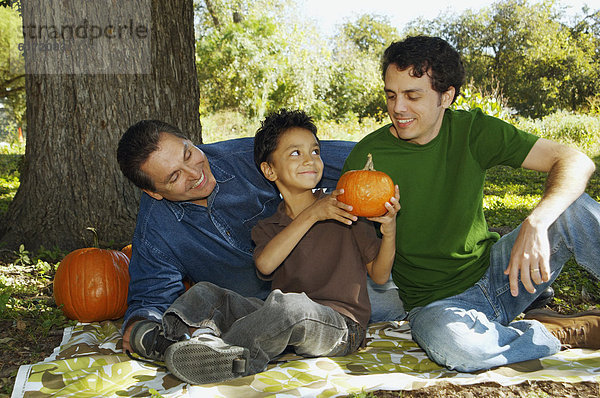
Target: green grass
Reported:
[(25, 293), (510, 195), (30, 322)]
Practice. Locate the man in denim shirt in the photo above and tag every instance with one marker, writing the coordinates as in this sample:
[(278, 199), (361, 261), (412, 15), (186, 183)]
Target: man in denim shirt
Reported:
[(196, 213)]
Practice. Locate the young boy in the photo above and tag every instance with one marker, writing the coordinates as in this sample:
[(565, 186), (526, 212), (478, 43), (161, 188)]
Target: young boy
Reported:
[(317, 255)]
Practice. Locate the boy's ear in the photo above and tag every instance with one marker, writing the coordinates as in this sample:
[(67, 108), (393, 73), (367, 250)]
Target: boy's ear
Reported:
[(268, 171), (152, 194)]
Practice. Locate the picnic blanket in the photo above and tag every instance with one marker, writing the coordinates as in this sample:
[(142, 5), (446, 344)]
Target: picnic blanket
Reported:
[(89, 363)]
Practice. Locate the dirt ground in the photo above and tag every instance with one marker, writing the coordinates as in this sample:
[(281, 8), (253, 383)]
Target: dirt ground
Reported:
[(23, 350), (532, 389)]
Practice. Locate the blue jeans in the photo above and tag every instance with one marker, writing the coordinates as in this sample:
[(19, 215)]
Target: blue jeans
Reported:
[(266, 327), (473, 330), (385, 302)]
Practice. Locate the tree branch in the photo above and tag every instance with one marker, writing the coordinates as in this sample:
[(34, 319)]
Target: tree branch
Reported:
[(213, 14)]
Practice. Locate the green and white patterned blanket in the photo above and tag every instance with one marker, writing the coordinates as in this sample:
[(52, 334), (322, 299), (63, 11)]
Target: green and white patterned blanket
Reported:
[(89, 363)]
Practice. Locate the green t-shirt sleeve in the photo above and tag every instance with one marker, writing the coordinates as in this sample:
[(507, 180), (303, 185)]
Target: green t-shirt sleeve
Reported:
[(495, 142)]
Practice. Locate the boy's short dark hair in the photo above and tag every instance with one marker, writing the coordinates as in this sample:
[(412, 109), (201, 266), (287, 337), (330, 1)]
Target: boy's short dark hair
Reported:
[(424, 54), (274, 125), (137, 144)]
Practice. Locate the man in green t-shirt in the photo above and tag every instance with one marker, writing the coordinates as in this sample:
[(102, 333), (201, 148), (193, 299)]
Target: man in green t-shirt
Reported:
[(462, 284)]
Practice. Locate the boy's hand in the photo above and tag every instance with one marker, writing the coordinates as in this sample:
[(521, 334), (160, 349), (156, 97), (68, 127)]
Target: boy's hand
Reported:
[(329, 208), (388, 220)]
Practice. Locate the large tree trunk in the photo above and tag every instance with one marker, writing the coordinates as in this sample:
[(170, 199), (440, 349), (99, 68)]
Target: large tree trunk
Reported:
[(77, 112)]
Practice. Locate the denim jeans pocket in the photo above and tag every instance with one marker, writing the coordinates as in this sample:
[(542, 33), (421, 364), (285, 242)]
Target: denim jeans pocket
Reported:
[(355, 339)]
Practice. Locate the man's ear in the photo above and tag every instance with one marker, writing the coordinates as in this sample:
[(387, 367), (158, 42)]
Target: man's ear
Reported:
[(447, 97), (154, 195), (268, 171)]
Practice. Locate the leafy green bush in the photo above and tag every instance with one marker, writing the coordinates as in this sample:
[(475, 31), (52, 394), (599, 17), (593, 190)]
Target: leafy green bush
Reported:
[(594, 105), (352, 129), (581, 131), (11, 156), (225, 125), (489, 104), (12, 148)]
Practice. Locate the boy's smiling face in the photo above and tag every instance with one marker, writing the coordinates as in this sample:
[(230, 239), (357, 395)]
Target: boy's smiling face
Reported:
[(296, 165)]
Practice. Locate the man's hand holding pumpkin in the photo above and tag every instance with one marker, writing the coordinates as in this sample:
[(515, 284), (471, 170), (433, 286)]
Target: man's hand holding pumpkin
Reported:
[(388, 220)]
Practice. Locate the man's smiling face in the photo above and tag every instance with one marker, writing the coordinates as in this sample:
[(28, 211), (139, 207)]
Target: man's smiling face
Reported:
[(179, 170), (415, 108)]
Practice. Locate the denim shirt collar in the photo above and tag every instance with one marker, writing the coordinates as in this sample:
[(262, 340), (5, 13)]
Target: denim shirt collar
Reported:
[(221, 176)]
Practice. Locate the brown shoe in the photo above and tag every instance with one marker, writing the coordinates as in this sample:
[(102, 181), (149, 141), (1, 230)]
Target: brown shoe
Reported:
[(574, 331)]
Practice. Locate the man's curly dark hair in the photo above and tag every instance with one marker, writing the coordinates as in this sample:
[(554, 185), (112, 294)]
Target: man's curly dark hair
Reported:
[(427, 55)]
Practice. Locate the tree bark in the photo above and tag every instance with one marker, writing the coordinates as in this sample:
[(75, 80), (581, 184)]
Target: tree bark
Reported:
[(70, 179)]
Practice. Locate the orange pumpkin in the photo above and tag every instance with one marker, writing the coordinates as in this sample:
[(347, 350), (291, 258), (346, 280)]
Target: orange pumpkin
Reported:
[(91, 284), (127, 250), (366, 190)]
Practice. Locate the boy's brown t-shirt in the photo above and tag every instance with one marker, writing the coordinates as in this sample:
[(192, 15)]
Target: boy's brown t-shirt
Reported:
[(328, 264)]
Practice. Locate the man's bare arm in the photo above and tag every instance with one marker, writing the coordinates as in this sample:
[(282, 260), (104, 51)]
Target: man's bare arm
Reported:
[(568, 173)]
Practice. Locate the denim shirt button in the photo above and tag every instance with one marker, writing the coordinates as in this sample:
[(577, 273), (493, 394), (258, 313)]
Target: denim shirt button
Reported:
[(228, 233)]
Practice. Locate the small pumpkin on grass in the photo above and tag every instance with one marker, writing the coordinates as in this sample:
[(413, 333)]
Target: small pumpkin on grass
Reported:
[(91, 284), (366, 190), (127, 250)]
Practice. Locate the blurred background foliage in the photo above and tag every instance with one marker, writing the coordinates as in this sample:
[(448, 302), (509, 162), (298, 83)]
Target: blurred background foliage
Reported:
[(12, 75), (524, 59), (527, 58)]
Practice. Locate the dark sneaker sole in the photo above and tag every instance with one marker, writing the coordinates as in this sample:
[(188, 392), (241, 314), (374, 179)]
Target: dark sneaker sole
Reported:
[(196, 362)]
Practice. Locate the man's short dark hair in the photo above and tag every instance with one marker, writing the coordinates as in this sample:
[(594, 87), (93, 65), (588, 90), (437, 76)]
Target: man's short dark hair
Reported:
[(137, 144), (271, 129), (427, 55)]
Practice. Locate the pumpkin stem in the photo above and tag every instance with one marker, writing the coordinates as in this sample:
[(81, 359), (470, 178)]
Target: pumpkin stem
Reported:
[(369, 165), (96, 244)]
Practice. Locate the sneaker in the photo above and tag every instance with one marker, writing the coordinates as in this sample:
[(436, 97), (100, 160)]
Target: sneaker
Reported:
[(148, 340), (542, 300), (574, 331), (206, 359)]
